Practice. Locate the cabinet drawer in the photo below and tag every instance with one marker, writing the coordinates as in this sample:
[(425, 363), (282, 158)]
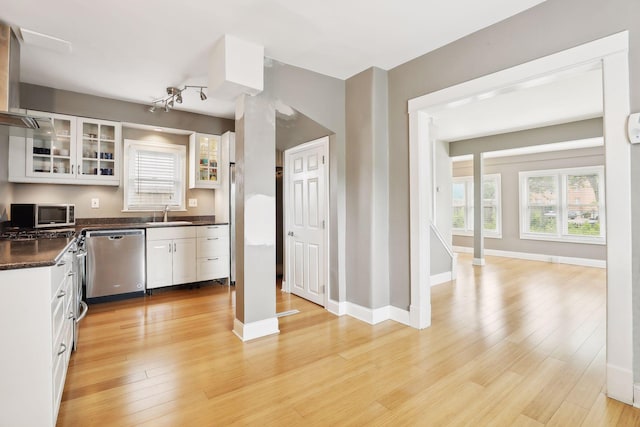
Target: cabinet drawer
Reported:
[(213, 268), (213, 246), (213, 230), (58, 317), (58, 273), (163, 233)]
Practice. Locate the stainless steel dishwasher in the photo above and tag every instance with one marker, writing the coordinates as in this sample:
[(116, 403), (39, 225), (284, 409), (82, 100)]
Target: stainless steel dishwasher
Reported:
[(115, 264)]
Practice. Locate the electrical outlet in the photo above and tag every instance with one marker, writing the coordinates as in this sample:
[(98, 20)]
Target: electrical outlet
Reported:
[(95, 203), (193, 203)]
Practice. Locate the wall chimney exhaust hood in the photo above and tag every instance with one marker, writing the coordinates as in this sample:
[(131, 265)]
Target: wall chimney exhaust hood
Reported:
[(10, 113)]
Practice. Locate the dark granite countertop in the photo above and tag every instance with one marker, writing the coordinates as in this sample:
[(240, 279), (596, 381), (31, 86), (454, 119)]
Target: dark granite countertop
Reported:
[(45, 252), (32, 253)]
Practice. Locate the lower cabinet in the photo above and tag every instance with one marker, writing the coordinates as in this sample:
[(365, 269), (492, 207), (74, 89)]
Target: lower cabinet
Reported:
[(213, 252), (177, 255), (171, 256), (38, 302)]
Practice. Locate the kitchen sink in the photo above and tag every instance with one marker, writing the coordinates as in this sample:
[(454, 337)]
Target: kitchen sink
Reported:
[(168, 223)]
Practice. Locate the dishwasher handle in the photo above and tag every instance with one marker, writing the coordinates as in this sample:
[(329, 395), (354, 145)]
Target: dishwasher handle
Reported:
[(115, 237)]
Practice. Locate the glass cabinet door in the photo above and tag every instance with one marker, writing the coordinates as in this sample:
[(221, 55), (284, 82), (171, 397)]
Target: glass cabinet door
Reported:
[(51, 153), (98, 148), (208, 158)]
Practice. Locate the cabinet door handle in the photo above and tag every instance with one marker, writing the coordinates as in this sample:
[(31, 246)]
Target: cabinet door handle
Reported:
[(213, 238), (211, 228), (71, 273), (212, 259), (170, 247), (72, 168), (175, 247), (61, 263), (63, 348), (61, 294), (71, 315)]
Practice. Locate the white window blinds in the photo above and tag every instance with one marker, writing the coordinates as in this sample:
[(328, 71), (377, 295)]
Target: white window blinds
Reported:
[(155, 175)]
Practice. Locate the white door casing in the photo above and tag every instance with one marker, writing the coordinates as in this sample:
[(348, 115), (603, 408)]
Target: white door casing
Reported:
[(613, 53), (306, 216)]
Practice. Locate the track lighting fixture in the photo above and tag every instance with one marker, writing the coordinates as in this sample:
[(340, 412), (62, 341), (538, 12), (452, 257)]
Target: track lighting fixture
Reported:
[(174, 95)]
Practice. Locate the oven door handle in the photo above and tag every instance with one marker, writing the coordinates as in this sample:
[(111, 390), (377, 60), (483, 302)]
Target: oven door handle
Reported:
[(85, 309)]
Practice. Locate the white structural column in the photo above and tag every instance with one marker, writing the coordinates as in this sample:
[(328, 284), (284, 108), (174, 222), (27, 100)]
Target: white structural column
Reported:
[(478, 211), (255, 219), (420, 202)]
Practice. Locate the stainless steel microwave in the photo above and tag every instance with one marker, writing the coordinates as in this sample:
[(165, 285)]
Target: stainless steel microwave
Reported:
[(43, 215)]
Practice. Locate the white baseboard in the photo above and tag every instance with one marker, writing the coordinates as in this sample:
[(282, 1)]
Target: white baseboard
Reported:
[(478, 261), (253, 330), (620, 384), (337, 308), (636, 395), (374, 316), (585, 262), (445, 277)]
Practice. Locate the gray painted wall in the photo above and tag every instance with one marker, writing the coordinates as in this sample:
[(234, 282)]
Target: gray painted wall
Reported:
[(367, 189), (550, 27), (296, 129), (52, 100), (582, 129), (322, 100), (508, 168)]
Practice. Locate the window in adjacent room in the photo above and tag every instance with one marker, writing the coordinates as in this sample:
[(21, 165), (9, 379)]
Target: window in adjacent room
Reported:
[(565, 205), (154, 176), (463, 205)]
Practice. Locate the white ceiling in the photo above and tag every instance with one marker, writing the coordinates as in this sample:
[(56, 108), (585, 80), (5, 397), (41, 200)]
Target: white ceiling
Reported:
[(561, 98), (133, 50)]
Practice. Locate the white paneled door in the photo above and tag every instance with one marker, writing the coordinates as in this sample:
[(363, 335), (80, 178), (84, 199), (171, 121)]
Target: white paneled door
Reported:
[(306, 259)]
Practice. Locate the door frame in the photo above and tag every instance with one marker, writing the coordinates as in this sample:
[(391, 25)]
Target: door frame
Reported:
[(612, 53), (324, 143)]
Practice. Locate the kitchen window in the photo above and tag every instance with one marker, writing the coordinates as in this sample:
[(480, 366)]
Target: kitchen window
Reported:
[(563, 205), (463, 208), (154, 176)]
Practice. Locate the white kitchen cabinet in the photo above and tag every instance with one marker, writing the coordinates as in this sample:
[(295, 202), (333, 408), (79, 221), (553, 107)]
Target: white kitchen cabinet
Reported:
[(171, 256), (33, 368), (213, 252), (78, 151), (98, 151), (204, 161)]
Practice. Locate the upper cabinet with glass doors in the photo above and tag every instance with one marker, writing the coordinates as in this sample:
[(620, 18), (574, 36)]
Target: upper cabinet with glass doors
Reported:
[(78, 151), (98, 150), (51, 154), (204, 158)]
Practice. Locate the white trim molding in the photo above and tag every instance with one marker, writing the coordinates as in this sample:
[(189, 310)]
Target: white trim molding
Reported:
[(620, 384), (585, 262), (373, 316), (636, 395), (253, 330), (337, 308), (445, 277)]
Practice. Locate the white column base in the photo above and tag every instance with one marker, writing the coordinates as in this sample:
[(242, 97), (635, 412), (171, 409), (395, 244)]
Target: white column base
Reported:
[(253, 330), (478, 261), (420, 317), (620, 384)]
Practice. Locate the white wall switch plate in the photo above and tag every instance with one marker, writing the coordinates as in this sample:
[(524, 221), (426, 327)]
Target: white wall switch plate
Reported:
[(193, 203), (95, 203)]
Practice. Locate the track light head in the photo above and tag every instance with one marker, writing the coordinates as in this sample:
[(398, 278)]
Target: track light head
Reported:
[(166, 107), (179, 98), (203, 97), (152, 109), (170, 103)]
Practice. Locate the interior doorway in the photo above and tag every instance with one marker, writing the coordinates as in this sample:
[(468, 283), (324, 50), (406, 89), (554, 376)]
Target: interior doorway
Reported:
[(612, 53), (306, 212)]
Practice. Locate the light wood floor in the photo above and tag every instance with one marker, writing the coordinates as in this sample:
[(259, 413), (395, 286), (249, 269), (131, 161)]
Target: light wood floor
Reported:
[(512, 343)]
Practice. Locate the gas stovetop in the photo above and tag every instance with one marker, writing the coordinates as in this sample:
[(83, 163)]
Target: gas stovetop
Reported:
[(17, 234)]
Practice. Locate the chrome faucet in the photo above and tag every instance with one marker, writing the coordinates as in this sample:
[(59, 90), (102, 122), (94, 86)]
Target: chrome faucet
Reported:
[(164, 211)]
